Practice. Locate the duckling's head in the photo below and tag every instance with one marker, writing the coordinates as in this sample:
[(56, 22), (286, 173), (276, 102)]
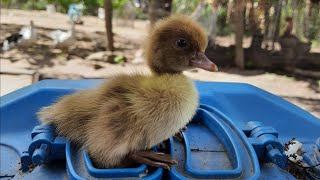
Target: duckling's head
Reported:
[(176, 44)]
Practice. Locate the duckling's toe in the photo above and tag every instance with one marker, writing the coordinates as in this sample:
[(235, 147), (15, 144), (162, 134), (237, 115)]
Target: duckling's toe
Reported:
[(154, 159), (179, 134)]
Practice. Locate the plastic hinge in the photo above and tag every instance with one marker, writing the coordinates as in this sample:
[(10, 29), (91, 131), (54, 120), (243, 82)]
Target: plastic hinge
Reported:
[(45, 147), (265, 141)]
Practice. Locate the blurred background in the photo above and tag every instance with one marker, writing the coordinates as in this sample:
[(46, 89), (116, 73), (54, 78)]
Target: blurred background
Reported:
[(272, 44)]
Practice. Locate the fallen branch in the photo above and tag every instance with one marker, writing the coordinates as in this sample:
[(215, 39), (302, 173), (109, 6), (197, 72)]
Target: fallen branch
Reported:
[(308, 73)]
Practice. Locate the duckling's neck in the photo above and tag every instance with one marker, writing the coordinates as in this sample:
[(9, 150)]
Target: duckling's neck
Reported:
[(163, 71), (158, 67)]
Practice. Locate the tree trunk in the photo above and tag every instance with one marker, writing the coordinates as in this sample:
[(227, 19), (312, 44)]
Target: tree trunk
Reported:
[(159, 9), (264, 7), (239, 30), (306, 23), (229, 11), (277, 23), (266, 19), (295, 17), (212, 32), (108, 24), (315, 21), (253, 21)]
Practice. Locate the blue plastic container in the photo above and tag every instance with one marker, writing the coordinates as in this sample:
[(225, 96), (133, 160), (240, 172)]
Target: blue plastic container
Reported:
[(238, 132)]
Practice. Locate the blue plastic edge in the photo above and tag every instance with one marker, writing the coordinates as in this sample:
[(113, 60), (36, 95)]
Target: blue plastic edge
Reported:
[(248, 88), (69, 86), (157, 175), (111, 173), (71, 172)]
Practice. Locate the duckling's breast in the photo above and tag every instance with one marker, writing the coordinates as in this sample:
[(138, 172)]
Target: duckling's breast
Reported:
[(163, 105)]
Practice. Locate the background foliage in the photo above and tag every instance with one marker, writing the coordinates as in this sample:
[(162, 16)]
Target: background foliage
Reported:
[(295, 8)]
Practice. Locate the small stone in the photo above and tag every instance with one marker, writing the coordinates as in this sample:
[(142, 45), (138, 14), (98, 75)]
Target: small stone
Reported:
[(97, 66), (98, 56)]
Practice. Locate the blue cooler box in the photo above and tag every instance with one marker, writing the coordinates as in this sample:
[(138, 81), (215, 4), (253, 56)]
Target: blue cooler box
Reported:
[(239, 132)]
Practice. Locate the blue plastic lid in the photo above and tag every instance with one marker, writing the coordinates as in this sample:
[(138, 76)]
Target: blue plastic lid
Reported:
[(238, 133)]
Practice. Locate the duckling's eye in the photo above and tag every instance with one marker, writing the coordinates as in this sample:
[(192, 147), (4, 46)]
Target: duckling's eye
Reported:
[(182, 43)]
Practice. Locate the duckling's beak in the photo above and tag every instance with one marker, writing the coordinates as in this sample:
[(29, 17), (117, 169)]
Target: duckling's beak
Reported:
[(201, 61)]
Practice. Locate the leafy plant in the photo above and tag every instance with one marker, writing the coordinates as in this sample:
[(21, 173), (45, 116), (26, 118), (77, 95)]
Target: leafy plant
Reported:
[(119, 59), (184, 6), (5, 1), (35, 5), (118, 4)]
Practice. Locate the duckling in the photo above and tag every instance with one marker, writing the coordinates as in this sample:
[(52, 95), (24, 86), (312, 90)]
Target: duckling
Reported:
[(121, 120)]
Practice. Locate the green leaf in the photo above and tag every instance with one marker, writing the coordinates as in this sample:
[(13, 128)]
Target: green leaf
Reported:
[(119, 59)]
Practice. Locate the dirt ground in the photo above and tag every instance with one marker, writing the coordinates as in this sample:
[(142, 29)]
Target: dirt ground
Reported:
[(87, 58)]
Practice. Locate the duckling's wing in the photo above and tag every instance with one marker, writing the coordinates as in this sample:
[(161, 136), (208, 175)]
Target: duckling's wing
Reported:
[(161, 106), (137, 112)]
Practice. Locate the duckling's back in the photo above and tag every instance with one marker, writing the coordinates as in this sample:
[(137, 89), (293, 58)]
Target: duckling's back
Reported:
[(139, 112)]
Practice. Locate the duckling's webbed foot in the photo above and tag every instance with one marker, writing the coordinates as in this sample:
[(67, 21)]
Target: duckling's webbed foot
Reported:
[(154, 159)]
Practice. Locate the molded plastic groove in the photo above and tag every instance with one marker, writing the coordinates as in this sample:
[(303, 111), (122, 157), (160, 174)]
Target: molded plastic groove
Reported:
[(224, 136), (241, 136), (113, 172)]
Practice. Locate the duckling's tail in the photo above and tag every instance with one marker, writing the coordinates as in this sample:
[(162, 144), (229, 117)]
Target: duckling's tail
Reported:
[(46, 115)]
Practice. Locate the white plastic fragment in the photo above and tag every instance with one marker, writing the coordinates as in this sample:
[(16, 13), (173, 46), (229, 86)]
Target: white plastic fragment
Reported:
[(294, 151)]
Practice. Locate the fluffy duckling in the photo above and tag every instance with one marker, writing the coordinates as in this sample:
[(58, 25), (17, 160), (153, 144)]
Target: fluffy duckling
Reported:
[(129, 114)]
